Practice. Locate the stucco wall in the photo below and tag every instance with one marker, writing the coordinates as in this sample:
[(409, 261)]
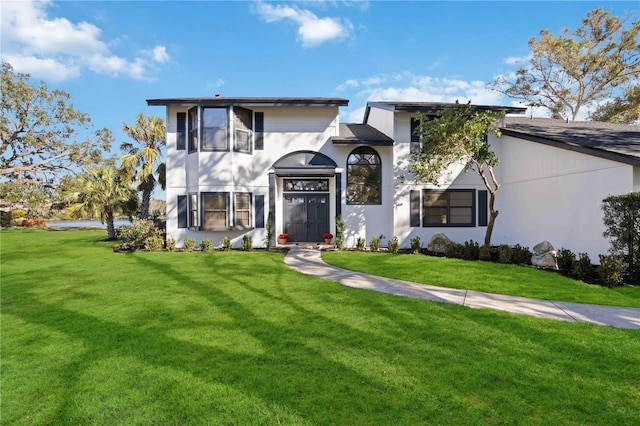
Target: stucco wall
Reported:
[(554, 194)]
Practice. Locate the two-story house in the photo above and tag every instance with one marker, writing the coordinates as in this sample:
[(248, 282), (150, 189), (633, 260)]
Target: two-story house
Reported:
[(231, 161)]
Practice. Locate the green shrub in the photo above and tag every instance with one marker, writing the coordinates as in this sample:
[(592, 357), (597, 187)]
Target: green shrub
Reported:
[(416, 246), (454, 250), (610, 271), (583, 270), (374, 245), (339, 232), (521, 255), (171, 244), (189, 243), (566, 260), (471, 250), (505, 253), (484, 253), (268, 239), (153, 243), (133, 237), (622, 223), (226, 244), (19, 214), (247, 243), (360, 244), (394, 245), (206, 244)]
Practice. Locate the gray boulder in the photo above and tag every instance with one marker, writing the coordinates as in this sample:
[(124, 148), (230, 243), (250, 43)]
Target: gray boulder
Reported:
[(438, 243), (544, 256)]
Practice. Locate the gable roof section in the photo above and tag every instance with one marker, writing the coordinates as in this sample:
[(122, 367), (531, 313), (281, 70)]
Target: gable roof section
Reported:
[(617, 142), (219, 101), (360, 134), (433, 108)]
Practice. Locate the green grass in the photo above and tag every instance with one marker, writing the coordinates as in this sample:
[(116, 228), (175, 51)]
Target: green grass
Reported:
[(94, 337), (489, 277)]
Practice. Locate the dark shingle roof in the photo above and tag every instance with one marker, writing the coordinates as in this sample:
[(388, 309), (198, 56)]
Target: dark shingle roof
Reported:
[(224, 101), (361, 134), (618, 142), (432, 108)]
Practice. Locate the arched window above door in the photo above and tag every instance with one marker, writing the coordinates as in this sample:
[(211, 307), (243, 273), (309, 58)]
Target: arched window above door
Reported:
[(364, 177)]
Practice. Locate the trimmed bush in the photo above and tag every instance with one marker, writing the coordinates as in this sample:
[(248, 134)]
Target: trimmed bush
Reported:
[(171, 244), (583, 270), (374, 245), (360, 244), (521, 255), (394, 245), (133, 237), (484, 253), (189, 244), (505, 253), (153, 243), (566, 260), (339, 232), (471, 250), (226, 244), (610, 271), (415, 245), (206, 245), (247, 243), (454, 250)]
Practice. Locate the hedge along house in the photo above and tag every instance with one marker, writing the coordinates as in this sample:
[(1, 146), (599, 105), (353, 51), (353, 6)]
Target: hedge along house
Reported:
[(232, 160)]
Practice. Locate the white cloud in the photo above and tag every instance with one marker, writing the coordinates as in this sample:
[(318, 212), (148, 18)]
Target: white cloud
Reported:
[(516, 60), (312, 30), (57, 49), (406, 86)]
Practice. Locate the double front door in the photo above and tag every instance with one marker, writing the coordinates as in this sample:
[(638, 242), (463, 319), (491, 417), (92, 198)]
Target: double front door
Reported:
[(306, 216)]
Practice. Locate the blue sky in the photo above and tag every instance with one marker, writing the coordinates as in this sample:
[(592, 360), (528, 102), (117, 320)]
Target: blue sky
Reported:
[(112, 56)]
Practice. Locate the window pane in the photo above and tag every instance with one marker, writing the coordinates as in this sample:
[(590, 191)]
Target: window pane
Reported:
[(460, 215), (363, 176), (214, 117), (435, 215), (215, 219), (435, 198), (242, 219), (243, 140), (457, 198)]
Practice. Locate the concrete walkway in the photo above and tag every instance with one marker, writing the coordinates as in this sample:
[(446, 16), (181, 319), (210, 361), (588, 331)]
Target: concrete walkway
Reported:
[(308, 260)]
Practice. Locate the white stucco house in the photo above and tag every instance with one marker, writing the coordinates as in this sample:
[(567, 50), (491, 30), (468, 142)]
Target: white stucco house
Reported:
[(230, 161)]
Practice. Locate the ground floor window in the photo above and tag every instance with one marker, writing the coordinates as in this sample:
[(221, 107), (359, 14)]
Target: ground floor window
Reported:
[(221, 210), (453, 207)]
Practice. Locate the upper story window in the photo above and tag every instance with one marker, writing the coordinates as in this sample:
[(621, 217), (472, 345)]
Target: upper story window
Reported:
[(364, 177), (243, 124), (214, 129), (210, 128)]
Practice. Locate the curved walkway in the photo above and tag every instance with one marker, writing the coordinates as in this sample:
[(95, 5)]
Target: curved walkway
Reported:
[(309, 261)]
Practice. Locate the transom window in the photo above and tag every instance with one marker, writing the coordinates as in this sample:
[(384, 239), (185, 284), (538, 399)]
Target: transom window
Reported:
[(306, 185), (364, 176), (448, 208)]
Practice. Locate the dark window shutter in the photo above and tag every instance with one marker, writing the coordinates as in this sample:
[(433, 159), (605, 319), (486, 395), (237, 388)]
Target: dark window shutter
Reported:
[(259, 211), (182, 211), (181, 127), (414, 220), (414, 125), (259, 131), (483, 208)]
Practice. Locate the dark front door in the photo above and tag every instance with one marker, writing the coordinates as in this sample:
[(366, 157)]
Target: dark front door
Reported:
[(306, 216)]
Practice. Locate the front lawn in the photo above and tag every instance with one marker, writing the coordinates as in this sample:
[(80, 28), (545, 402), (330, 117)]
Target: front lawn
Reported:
[(90, 336), (513, 280)]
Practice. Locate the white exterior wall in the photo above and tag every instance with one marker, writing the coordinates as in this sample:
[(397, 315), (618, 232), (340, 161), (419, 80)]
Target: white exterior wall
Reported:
[(555, 194), (286, 130), (382, 120)]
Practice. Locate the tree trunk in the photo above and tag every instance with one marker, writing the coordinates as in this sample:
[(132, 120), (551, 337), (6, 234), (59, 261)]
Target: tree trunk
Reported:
[(144, 207), (111, 229), (493, 214)]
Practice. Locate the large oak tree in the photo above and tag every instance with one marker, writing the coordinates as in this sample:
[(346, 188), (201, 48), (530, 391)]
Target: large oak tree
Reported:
[(575, 69), (41, 133)]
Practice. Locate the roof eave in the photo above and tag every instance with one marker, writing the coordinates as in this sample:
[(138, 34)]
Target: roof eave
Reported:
[(223, 101)]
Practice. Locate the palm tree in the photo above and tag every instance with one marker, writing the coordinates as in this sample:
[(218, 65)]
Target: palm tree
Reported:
[(142, 162), (102, 192)]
